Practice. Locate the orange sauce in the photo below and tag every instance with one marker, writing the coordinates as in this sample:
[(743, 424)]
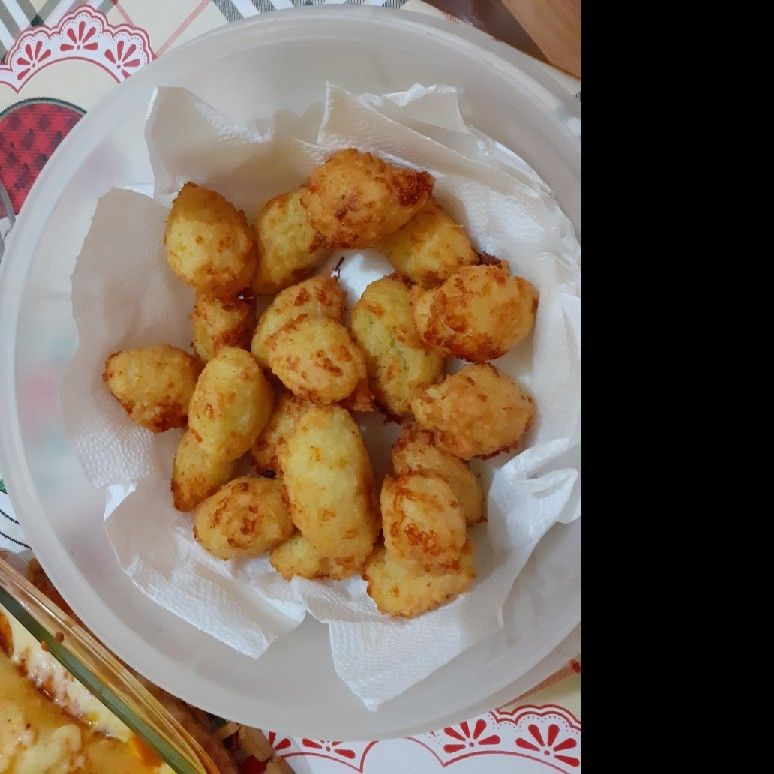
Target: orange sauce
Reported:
[(36, 735)]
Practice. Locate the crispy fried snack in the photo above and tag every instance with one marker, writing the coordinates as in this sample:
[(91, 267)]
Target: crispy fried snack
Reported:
[(415, 452), (356, 200), (221, 322), (231, 404), (478, 314), (298, 556), (329, 483), (430, 247), (209, 243), (195, 474), (153, 384), (398, 590), (289, 248), (316, 359), (476, 412), (316, 297), (399, 363), (243, 518), (288, 409), (423, 521)]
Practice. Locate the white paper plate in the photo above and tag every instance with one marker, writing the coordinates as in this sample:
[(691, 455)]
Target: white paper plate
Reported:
[(282, 60)]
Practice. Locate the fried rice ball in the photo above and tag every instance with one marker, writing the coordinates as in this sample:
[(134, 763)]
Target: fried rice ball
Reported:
[(153, 384), (399, 590), (221, 322), (399, 363), (423, 521), (329, 483), (231, 404), (415, 452), (316, 297), (209, 243), (360, 399), (478, 314), (476, 412), (298, 556), (430, 247), (288, 409), (195, 474), (316, 359), (356, 200), (243, 518), (289, 248)]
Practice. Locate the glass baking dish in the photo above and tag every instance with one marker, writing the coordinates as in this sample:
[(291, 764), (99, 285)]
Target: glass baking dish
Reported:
[(101, 674)]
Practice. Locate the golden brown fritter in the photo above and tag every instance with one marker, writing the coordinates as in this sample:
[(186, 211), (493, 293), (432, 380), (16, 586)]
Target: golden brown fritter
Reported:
[(316, 359), (298, 556), (399, 363), (477, 412), (478, 314), (398, 590), (423, 521), (153, 384), (231, 404), (356, 200), (289, 248), (195, 474), (315, 297), (209, 243), (430, 247), (415, 451), (243, 518), (329, 482), (221, 322), (288, 409)]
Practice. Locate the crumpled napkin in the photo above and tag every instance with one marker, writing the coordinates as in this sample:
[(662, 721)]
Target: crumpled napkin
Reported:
[(124, 295)]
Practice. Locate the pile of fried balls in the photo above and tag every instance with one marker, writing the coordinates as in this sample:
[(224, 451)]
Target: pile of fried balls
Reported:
[(283, 388)]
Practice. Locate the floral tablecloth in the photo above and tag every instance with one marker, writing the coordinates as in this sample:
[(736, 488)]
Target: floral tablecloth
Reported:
[(57, 59)]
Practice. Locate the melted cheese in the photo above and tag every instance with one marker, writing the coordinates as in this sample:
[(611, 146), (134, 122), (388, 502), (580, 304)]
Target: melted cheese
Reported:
[(50, 723)]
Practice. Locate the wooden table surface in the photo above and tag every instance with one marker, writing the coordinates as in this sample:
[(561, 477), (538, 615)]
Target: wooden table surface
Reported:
[(548, 30)]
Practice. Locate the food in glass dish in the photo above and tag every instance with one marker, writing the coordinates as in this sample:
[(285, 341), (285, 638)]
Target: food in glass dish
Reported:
[(49, 722), (52, 723)]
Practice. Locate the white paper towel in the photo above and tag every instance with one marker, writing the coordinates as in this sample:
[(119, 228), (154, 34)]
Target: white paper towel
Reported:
[(124, 295)]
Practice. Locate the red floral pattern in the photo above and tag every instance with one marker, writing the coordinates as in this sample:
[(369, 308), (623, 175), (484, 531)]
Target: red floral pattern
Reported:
[(278, 742), (548, 734), (34, 54), (80, 39), (83, 34), (466, 739), (329, 747), (551, 746), (125, 59)]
